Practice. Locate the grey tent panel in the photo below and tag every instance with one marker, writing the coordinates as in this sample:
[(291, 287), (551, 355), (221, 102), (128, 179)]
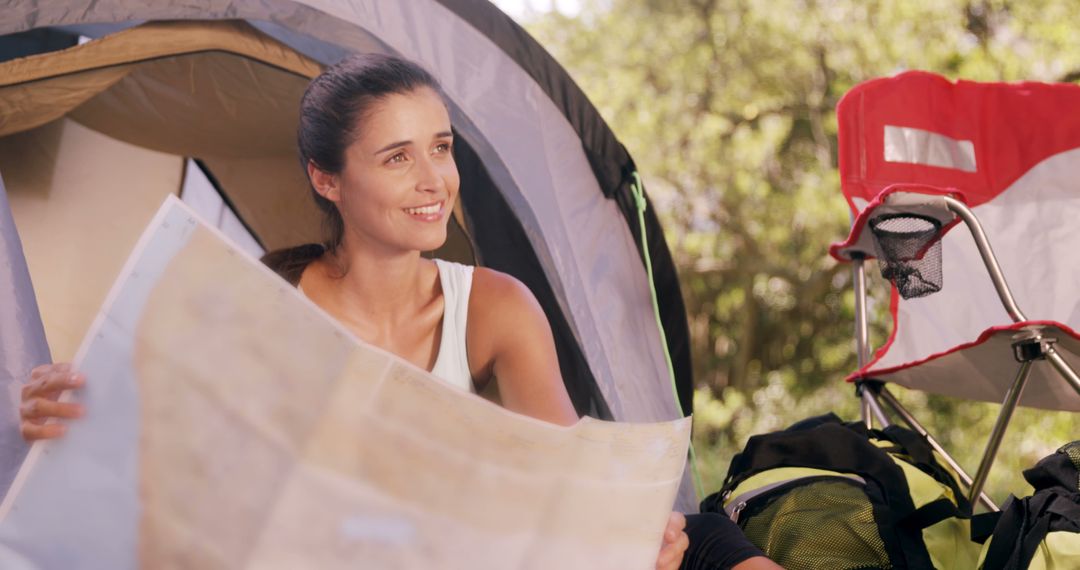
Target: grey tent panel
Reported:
[(22, 341)]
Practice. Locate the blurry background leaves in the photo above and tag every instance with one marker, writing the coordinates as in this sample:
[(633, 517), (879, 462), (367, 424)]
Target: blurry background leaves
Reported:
[(728, 107)]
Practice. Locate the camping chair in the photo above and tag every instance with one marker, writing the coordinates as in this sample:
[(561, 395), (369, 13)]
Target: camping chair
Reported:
[(918, 155)]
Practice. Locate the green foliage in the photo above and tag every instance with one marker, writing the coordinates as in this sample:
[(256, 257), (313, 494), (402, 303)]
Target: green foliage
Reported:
[(728, 107)]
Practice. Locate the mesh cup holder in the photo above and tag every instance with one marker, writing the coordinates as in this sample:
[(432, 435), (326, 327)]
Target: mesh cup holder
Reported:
[(909, 252)]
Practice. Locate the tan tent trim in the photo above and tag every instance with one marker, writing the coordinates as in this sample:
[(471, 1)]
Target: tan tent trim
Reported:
[(38, 89), (30, 105), (156, 40)]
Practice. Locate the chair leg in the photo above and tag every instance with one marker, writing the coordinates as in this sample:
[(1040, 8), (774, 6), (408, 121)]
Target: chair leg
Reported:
[(869, 408), (890, 400), (872, 407), (1012, 398)]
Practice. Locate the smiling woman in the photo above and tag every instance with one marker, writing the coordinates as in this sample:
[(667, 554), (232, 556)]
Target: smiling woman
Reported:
[(376, 141)]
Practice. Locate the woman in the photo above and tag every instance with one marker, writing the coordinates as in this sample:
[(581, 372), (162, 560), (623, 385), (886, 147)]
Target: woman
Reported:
[(376, 141)]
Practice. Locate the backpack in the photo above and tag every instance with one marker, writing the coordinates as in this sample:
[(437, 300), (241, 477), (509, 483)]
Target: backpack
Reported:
[(1041, 532), (825, 494)]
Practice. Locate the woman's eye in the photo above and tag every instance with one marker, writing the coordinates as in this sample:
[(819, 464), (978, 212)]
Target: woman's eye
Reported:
[(442, 148), (399, 157)]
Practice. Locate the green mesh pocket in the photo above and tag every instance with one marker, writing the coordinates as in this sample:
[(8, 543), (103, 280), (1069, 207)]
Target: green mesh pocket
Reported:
[(1073, 451), (816, 526)]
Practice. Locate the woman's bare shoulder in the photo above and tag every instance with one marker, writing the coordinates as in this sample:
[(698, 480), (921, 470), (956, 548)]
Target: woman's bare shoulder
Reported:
[(510, 340), (503, 314), (499, 302), (494, 287)]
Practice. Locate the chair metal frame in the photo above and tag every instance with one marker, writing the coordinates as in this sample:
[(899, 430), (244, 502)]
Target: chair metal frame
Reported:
[(1029, 346)]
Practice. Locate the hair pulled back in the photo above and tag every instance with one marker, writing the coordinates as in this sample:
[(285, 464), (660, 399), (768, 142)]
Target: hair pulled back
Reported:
[(332, 108)]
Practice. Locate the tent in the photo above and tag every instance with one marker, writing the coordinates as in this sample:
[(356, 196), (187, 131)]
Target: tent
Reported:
[(107, 106)]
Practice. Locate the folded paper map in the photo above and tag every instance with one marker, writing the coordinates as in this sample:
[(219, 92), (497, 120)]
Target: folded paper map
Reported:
[(232, 424)]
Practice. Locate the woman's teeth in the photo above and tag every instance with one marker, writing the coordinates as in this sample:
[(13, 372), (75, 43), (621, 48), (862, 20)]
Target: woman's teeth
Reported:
[(426, 210)]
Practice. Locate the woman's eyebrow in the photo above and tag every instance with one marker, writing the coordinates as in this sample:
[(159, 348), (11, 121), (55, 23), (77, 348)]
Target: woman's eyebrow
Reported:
[(393, 146)]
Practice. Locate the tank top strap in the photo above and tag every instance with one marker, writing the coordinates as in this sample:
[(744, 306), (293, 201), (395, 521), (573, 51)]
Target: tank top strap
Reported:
[(452, 362)]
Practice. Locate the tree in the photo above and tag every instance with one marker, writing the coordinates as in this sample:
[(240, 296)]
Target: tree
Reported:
[(728, 107)]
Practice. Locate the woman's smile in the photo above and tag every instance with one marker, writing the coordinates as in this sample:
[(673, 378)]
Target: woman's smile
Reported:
[(432, 212)]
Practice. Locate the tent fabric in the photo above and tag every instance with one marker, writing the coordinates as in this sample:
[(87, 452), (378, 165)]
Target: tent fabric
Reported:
[(610, 162), (34, 42), (26, 106), (1012, 152), (81, 199), (22, 340)]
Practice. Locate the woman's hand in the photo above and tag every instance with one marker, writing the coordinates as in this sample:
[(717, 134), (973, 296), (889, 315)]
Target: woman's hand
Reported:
[(675, 543), (39, 403)]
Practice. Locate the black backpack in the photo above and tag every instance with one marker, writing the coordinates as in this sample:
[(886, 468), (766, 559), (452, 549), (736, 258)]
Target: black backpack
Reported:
[(827, 494)]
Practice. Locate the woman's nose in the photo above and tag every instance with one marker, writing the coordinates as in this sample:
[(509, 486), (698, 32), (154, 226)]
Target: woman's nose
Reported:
[(429, 176)]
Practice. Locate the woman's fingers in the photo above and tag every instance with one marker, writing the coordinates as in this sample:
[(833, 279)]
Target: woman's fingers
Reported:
[(675, 543), (31, 432), (39, 401), (46, 369), (666, 558), (43, 408), (671, 556), (675, 525), (49, 381)]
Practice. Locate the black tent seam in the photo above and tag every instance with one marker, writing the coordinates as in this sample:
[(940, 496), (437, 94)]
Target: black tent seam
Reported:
[(228, 201)]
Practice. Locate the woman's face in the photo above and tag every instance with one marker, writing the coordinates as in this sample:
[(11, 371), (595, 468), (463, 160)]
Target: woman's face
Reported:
[(398, 186)]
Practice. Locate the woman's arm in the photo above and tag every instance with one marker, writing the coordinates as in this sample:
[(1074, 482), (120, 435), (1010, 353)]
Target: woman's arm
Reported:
[(509, 341)]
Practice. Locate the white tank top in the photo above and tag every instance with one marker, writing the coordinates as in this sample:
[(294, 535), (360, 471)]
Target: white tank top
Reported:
[(452, 362)]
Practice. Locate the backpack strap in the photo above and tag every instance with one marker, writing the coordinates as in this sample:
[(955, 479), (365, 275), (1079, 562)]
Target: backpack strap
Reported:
[(740, 463), (1025, 523), (932, 513), (1006, 536), (1065, 512), (983, 525), (922, 456)]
